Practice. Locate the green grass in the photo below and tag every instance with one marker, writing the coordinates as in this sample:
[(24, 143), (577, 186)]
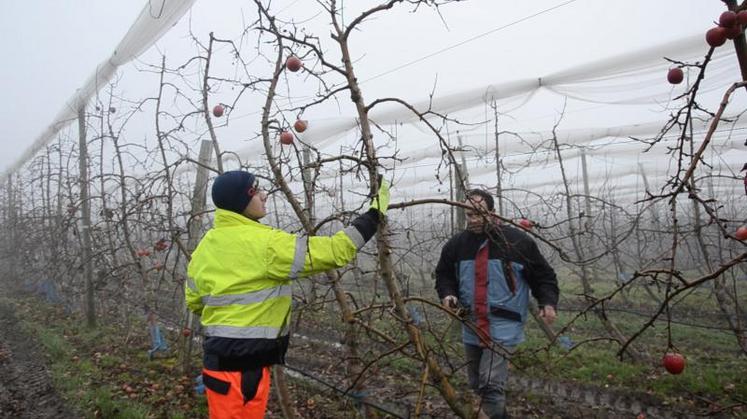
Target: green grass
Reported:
[(83, 387), (714, 371), (111, 408), (101, 377)]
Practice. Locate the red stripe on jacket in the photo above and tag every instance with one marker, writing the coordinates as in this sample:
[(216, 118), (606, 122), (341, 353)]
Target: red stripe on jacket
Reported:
[(481, 306)]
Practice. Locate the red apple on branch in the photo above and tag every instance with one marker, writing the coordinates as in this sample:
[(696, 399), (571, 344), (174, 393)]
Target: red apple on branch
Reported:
[(741, 233), (526, 224), (727, 19), (300, 125), (675, 75), (160, 245), (218, 111), (186, 332), (733, 31), (674, 362), (286, 137), (293, 63), (716, 36)]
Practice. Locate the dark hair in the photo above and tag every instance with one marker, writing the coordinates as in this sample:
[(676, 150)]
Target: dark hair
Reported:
[(486, 197)]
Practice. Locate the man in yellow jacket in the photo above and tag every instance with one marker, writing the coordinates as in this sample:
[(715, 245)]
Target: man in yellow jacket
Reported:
[(240, 280)]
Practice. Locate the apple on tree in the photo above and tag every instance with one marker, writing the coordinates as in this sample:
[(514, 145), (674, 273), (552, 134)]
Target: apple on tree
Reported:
[(742, 17), (727, 19), (300, 125), (675, 75), (733, 31), (674, 362), (526, 224), (716, 36), (741, 233), (160, 245), (286, 137), (293, 63), (218, 111)]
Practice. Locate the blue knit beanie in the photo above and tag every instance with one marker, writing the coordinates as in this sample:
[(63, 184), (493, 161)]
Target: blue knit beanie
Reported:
[(230, 190)]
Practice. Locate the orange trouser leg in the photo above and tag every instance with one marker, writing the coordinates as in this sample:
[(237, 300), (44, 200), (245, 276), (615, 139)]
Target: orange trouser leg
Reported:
[(231, 405)]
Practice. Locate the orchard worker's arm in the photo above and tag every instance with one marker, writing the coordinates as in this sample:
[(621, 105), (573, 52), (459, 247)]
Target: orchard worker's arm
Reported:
[(293, 256), (447, 283), (542, 281)]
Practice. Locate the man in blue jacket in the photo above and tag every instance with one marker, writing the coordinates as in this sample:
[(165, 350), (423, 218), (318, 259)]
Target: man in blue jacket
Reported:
[(490, 269)]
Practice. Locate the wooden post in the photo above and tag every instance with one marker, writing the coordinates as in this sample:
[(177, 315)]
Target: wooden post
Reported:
[(85, 228), (452, 213), (341, 193), (579, 251), (653, 210), (199, 194), (452, 225), (654, 213), (587, 192), (195, 225), (58, 215), (308, 186), (206, 109), (499, 184), (639, 240), (11, 223), (461, 181), (613, 232), (588, 215)]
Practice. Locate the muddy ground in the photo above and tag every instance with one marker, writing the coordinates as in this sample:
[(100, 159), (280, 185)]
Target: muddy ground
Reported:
[(26, 389)]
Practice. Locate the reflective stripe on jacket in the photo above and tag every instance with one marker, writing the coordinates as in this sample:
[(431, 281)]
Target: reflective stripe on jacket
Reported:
[(240, 274)]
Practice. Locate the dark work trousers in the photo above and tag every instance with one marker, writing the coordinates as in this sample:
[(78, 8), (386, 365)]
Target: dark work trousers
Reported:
[(487, 373)]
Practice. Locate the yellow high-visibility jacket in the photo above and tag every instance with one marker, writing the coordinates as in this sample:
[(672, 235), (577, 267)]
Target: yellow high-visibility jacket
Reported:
[(240, 274)]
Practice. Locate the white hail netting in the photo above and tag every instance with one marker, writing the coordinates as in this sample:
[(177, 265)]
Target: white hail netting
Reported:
[(157, 17), (608, 101), (632, 85)]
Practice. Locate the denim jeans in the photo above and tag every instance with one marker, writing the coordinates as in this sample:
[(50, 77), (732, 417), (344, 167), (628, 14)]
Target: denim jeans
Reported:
[(487, 373)]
